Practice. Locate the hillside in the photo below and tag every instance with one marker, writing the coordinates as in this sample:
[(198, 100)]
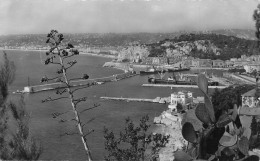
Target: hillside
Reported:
[(205, 46)]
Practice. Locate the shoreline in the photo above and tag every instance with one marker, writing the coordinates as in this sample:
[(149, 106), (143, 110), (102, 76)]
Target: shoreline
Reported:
[(80, 52)]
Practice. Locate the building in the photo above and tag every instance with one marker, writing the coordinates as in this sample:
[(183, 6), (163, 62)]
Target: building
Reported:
[(229, 63), (155, 61), (201, 63), (249, 99), (250, 103), (182, 97), (241, 63), (251, 67), (218, 63)]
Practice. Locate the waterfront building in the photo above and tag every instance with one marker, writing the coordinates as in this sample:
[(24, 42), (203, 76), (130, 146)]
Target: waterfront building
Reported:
[(233, 59), (155, 61), (218, 63), (185, 98), (251, 67), (241, 63), (229, 63), (201, 62)]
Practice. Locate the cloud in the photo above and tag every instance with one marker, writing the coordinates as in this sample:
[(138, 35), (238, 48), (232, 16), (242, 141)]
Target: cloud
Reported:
[(77, 16)]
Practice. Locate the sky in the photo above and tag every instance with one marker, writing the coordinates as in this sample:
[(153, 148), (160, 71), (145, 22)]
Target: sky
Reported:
[(124, 16)]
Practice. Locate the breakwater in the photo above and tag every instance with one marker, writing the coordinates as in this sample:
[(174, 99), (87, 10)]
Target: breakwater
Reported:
[(180, 86), (155, 100), (88, 82)]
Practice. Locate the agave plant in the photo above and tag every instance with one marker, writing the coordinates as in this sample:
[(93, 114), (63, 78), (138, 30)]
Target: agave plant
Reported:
[(214, 141)]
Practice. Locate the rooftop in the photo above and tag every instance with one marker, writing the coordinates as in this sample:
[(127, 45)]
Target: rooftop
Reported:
[(251, 93)]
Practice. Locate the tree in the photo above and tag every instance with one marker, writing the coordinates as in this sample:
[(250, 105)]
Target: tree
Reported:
[(226, 98), (19, 145), (179, 107), (256, 18), (59, 54), (134, 142)]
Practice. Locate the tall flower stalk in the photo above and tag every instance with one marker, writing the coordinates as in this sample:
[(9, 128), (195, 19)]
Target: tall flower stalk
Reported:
[(57, 55)]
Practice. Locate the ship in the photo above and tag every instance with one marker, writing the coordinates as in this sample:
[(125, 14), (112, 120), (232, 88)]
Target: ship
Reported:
[(183, 80), (178, 69), (152, 70)]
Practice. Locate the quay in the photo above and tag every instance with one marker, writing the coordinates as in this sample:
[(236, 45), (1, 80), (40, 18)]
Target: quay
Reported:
[(88, 82), (128, 99), (180, 86), (155, 100)]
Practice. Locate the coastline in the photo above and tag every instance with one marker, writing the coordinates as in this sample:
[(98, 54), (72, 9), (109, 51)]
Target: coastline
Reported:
[(81, 53)]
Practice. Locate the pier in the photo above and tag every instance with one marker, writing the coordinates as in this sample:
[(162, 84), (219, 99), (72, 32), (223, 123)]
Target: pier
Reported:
[(180, 86), (155, 100), (88, 82)]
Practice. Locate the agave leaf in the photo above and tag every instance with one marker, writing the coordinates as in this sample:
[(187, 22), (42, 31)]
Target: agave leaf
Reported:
[(243, 145), (202, 113), (210, 108), (189, 133), (252, 158), (203, 83), (181, 156)]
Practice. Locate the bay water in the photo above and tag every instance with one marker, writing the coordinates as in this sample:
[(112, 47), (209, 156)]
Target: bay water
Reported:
[(50, 131)]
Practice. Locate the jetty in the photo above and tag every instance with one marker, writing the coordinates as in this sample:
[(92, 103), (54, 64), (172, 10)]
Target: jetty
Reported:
[(88, 82), (180, 86), (155, 100)]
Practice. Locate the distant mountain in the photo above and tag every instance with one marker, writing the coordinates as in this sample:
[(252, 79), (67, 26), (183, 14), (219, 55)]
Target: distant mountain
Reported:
[(110, 39)]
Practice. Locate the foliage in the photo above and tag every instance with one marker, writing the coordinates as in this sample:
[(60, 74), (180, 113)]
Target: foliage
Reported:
[(134, 143), (179, 107), (228, 46), (19, 145), (7, 75), (236, 70), (256, 18), (23, 145), (214, 142), (59, 54), (227, 97)]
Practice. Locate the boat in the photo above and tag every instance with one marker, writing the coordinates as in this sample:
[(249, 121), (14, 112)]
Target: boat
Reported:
[(178, 69), (151, 71), (183, 80)]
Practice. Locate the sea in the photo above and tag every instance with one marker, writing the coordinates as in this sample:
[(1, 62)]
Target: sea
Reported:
[(51, 132)]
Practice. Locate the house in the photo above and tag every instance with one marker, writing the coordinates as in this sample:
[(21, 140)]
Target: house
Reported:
[(251, 67), (201, 63), (250, 103), (229, 63), (218, 63), (182, 97), (241, 63), (155, 61)]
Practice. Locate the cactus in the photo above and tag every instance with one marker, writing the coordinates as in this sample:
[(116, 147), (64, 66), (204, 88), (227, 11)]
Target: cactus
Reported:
[(213, 142)]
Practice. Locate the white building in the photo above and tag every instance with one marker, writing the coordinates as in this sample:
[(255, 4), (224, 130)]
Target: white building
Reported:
[(183, 97), (251, 67)]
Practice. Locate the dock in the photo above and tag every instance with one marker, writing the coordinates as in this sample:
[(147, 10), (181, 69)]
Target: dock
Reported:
[(180, 86), (88, 82), (155, 100), (128, 99)]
